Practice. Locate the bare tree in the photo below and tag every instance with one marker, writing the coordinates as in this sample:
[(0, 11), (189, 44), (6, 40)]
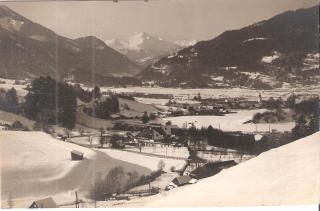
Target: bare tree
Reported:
[(133, 177), (161, 165), (115, 180)]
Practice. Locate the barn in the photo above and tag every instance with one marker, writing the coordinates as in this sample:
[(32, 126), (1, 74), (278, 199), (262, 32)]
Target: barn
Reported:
[(76, 155), (44, 203)]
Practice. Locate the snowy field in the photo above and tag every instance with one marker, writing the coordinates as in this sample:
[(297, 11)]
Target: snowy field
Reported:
[(159, 149), (185, 95), (143, 160), (11, 83), (220, 93), (287, 175), (230, 122), (159, 101), (33, 164)]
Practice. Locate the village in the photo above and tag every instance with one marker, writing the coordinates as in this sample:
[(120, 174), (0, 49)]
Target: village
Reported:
[(157, 104), (146, 134)]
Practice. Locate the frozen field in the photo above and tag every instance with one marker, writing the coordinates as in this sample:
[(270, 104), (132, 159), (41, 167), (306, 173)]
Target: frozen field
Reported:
[(287, 175), (230, 122)]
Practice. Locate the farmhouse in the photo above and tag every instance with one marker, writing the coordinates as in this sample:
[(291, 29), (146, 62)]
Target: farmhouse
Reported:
[(181, 180), (76, 155), (44, 203), (151, 133)]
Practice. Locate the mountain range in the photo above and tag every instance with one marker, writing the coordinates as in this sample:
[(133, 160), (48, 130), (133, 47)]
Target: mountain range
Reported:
[(284, 48), (143, 48), (267, 54), (28, 49)]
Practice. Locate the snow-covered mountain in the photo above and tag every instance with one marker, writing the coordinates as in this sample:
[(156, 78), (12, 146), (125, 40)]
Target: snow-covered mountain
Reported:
[(28, 49), (143, 48), (283, 49), (186, 43)]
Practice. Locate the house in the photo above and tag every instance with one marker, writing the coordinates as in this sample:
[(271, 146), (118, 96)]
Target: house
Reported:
[(181, 180), (76, 155), (151, 133), (44, 203), (211, 168), (158, 134)]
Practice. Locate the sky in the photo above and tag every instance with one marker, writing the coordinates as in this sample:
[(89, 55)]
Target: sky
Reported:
[(172, 20)]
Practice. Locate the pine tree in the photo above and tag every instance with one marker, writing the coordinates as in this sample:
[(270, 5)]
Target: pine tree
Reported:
[(11, 101)]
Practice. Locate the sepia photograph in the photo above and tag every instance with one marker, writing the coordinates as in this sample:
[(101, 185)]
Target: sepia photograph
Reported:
[(159, 103)]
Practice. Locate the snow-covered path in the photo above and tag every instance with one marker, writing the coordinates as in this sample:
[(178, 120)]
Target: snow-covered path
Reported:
[(286, 175)]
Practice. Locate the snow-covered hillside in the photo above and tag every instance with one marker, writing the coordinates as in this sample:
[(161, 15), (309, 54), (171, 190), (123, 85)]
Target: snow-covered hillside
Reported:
[(286, 175), (34, 165)]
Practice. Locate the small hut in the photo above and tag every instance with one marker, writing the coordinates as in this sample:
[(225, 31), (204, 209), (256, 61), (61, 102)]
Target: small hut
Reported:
[(76, 155)]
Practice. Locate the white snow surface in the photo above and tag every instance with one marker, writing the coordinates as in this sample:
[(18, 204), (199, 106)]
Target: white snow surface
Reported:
[(160, 101), (35, 165), (10, 24), (186, 43), (230, 122), (36, 149), (218, 93), (40, 38), (11, 83), (270, 59), (253, 39), (143, 160), (288, 175)]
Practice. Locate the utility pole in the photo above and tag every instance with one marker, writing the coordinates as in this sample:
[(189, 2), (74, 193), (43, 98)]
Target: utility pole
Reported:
[(77, 201)]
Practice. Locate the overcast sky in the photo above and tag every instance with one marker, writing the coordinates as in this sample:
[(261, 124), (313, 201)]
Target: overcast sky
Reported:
[(169, 19)]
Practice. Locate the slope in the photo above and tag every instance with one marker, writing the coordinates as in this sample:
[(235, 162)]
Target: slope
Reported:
[(28, 49), (283, 176), (277, 48)]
